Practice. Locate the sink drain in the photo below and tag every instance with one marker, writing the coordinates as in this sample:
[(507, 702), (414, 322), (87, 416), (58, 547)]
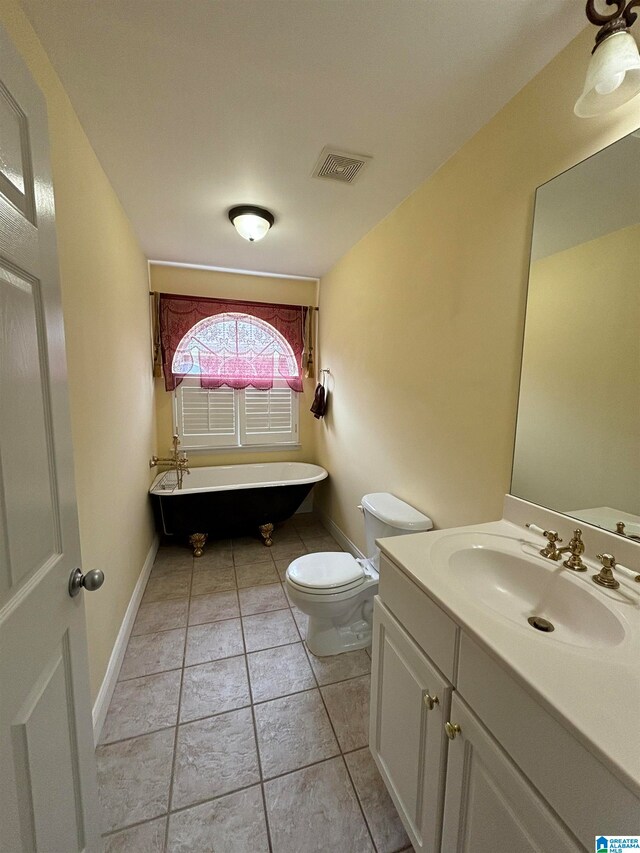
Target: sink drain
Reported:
[(540, 624)]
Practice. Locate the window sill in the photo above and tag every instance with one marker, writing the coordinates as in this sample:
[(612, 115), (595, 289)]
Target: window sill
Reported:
[(253, 448)]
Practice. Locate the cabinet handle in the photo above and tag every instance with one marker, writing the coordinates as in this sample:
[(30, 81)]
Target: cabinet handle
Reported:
[(452, 729), (430, 701)]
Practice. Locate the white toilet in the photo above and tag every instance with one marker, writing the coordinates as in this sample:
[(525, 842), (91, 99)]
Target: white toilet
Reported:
[(336, 590)]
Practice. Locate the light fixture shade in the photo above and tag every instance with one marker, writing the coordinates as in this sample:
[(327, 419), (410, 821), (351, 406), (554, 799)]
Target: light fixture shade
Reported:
[(613, 76), (251, 222)]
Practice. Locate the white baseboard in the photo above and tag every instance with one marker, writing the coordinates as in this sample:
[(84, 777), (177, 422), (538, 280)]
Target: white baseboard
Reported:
[(105, 693), (341, 538)]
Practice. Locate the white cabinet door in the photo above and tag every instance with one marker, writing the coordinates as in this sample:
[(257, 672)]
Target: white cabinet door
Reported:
[(489, 805), (47, 782), (409, 705)]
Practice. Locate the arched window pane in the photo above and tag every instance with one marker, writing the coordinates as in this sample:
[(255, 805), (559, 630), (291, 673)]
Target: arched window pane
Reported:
[(237, 350)]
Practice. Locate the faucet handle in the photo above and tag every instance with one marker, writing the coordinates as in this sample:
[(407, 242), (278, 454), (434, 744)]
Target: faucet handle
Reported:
[(552, 536), (605, 575), (551, 551)]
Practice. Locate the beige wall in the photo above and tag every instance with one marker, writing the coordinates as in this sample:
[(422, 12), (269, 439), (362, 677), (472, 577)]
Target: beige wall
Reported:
[(422, 320), (226, 285), (104, 284), (578, 435)]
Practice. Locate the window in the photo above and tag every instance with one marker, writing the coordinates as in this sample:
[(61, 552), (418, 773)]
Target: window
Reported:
[(230, 417), (238, 372)]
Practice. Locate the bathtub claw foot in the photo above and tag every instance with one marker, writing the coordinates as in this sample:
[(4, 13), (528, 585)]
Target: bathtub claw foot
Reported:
[(198, 541), (265, 531)]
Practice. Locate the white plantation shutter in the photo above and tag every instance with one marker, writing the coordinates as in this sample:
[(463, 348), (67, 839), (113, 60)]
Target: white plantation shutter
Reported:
[(224, 417), (206, 417), (268, 417)]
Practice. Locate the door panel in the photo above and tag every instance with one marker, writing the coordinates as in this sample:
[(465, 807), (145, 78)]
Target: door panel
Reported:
[(48, 791), (407, 738), (489, 805), (45, 750), (30, 522), (16, 182)]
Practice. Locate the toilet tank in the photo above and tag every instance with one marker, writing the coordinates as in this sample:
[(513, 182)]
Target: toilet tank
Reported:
[(387, 515)]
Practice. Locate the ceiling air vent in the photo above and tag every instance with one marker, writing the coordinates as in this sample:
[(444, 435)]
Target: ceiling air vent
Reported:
[(340, 165)]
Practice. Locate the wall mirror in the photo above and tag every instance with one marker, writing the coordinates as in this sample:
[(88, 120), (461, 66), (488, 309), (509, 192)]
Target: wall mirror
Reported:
[(577, 448)]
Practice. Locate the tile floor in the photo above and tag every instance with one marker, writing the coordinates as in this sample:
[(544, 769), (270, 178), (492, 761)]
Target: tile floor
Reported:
[(224, 733)]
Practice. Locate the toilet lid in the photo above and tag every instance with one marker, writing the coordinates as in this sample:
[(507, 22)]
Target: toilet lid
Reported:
[(326, 571)]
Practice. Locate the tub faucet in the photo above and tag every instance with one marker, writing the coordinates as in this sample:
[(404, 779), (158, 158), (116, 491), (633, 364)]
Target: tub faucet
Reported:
[(178, 461)]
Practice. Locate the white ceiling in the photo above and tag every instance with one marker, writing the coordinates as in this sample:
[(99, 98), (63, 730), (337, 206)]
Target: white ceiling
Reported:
[(193, 106)]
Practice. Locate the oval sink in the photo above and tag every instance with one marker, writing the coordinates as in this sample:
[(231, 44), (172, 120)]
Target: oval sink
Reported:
[(496, 574)]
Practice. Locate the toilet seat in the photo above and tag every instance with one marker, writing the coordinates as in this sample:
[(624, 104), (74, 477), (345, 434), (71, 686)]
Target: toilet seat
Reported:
[(325, 573)]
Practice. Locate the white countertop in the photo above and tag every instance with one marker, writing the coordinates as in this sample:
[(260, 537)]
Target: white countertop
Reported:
[(593, 692)]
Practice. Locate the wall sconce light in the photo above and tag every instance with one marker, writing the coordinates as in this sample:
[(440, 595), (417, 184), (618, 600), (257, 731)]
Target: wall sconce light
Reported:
[(252, 222), (613, 75)]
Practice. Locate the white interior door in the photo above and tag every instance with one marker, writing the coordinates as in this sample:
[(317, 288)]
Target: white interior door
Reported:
[(48, 799)]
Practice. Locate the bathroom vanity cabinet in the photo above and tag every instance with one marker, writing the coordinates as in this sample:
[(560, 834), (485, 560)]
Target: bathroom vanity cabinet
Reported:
[(512, 777)]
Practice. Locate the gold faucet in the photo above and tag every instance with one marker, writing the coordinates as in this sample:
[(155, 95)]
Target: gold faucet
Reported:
[(620, 529), (576, 549), (551, 550), (605, 575), (178, 460)]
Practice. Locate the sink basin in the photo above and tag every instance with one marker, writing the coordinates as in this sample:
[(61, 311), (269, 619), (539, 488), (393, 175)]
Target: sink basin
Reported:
[(496, 573)]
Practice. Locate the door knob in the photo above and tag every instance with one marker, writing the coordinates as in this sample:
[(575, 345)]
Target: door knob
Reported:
[(91, 581), (452, 729), (430, 701)]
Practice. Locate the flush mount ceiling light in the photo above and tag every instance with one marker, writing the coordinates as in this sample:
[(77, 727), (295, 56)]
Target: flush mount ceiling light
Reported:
[(251, 222), (613, 75)]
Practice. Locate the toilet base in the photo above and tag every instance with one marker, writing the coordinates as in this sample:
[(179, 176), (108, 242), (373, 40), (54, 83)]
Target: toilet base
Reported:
[(325, 638)]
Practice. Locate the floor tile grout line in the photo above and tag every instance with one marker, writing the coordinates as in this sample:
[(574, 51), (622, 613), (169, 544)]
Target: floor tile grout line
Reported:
[(270, 648), (213, 621), (197, 803), (160, 630), (226, 657), (212, 799), (133, 737), (342, 753), (167, 814), (175, 739), (246, 787), (161, 600), (111, 832), (242, 616), (147, 674), (324, 704), (252, 701), (359, 801), (255, 735), (303, 767)]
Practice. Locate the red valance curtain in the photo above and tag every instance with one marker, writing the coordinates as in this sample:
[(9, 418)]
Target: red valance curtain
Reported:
[(241, 364)]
